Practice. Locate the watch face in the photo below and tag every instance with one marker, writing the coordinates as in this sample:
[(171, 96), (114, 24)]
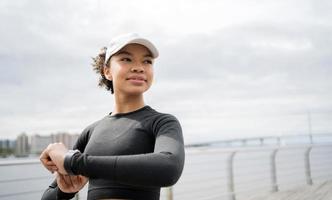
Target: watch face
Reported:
[(73, 151)]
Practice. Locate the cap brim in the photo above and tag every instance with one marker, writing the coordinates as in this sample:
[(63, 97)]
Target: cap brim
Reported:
[(140, 41), (147, 44)]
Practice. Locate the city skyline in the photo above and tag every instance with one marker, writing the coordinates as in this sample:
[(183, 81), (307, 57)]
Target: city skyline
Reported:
[(33, 144)]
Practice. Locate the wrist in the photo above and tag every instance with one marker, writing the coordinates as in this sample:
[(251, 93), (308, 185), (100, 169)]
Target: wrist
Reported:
[(68, 161)]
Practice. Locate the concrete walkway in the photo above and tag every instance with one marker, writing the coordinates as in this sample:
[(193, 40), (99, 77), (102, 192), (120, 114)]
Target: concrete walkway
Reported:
[(321, 191)]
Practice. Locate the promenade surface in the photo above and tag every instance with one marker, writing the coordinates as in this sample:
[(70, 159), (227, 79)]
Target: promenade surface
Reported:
[(321, 191)]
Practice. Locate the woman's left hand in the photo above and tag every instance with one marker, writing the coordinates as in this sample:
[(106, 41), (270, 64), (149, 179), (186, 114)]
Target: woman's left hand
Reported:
[(71, 183), (53, 157)]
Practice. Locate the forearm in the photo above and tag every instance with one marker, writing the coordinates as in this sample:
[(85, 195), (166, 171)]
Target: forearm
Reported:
[(152, 169)]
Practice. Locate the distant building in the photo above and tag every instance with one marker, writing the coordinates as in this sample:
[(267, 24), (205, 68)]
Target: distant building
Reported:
[(35, 144), (67, 139), (38, 143), (12, 144), (4, 144), (7, 147), (22, 145)]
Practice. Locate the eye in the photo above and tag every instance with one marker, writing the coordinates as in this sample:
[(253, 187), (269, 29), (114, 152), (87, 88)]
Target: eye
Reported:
[(125, 59), (148, 62)]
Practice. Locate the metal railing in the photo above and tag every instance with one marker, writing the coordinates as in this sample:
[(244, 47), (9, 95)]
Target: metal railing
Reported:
[(209, 173), (241, 172), (281, 140), (16, 181)]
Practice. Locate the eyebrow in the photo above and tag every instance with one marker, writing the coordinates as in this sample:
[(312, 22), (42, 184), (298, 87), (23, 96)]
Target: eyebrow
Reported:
[(130, 54)]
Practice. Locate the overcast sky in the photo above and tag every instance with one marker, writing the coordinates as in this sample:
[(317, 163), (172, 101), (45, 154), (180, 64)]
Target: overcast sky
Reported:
[(227, 68)]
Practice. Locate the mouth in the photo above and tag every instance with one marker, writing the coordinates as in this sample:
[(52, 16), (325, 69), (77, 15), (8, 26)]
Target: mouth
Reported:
[(137, 78)]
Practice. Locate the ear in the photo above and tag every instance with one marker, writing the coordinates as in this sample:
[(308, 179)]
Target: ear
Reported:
[(107, 73)]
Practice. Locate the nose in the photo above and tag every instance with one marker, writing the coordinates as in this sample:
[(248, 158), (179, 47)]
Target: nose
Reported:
[(137, 69)]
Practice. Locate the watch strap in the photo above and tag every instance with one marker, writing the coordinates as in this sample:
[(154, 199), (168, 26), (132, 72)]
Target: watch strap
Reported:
[(68, 161)]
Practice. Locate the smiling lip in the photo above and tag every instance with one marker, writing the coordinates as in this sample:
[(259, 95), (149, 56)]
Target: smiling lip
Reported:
[(137, 78)]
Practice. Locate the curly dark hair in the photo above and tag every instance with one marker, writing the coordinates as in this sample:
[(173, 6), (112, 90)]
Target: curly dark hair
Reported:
[(98, 66)]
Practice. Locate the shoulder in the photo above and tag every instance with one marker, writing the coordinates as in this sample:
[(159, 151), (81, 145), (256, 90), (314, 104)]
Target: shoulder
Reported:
[(156, 115), (85, 135), (160, 119), (89, 129)]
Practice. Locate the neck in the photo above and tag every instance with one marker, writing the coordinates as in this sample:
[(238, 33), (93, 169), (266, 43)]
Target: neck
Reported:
[(125, 104)]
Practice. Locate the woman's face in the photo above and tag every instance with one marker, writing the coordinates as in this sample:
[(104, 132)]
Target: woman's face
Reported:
[(131, 70)]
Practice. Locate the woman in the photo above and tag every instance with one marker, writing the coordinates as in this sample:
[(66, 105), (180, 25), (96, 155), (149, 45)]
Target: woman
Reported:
[(130, 153)]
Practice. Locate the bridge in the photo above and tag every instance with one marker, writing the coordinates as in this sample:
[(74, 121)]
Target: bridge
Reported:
[(229, 170)]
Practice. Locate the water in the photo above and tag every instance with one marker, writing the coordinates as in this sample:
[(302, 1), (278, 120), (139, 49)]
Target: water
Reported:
[(205, 174), (31, 180)]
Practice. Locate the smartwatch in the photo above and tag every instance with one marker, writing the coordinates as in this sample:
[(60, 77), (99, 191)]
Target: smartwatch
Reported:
[(68, 161)]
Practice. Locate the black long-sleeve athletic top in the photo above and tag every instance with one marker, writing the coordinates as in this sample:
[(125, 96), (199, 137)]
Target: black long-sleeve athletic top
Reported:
[(127, 156)]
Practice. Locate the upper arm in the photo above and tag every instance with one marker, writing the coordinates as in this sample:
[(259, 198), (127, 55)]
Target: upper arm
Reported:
[(168, 133), (84, 137)]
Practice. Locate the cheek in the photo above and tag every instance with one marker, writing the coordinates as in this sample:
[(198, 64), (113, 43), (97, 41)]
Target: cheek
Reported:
[(150, 72), (117, 72), (150, 76)]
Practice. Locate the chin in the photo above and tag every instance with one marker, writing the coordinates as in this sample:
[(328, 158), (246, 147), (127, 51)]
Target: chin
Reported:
[(137, 91)]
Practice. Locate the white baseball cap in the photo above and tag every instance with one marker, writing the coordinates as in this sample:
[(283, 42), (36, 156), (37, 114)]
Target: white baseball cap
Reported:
[(119, 42)]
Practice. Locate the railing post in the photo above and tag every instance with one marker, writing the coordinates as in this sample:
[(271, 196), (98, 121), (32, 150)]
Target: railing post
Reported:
[(273, 172), (279, 141), (244, 142), (307, 165), (169, 193), (230, 177)]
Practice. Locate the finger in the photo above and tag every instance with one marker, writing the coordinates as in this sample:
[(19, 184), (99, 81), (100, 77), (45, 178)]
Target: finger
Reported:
[(54, 168), (44, 154), (44, 158), (48, 163), (62, 181), (51, 168), (74, 180), (67, 179), (83, 178), (78, 182)]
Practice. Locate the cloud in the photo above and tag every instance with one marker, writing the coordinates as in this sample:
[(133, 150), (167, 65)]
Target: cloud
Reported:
[(227, 69)]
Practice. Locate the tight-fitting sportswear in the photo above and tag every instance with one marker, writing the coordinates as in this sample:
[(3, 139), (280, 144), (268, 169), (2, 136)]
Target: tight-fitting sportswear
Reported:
[(127, 156)]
